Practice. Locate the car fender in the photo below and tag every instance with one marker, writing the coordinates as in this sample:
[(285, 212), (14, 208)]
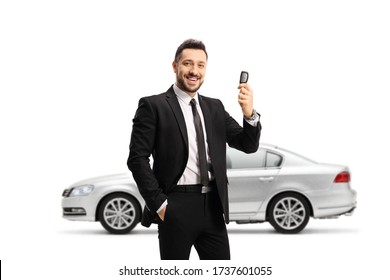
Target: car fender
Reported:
[(275, 193), (130, 189)]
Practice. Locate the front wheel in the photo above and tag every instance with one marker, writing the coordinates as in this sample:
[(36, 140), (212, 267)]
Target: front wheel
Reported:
[(289, 213), (119, 213)]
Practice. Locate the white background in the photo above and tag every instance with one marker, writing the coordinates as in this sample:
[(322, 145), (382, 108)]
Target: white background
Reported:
[(71, 74)]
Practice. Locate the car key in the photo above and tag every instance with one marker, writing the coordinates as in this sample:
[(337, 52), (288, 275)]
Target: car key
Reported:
[(244, 77)]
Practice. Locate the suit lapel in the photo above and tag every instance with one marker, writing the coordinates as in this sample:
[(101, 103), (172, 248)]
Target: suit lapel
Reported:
[(207, 118), (175, 106)]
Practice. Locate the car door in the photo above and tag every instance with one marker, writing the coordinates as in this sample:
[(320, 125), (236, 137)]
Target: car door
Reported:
[(251, 177)]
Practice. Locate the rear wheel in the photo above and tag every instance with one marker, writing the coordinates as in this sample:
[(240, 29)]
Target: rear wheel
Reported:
[(289, 213), (119, 213)]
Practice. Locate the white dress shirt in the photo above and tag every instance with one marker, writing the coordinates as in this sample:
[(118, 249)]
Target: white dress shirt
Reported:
[(191, 174)]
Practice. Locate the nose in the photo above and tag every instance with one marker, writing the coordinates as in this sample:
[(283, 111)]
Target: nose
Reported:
[(194, 70)]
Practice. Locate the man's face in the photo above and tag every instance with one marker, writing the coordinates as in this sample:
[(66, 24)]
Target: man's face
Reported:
[(190, 70)]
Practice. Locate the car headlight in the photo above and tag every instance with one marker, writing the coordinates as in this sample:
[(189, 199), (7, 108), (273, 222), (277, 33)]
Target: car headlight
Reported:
[(81, 190)]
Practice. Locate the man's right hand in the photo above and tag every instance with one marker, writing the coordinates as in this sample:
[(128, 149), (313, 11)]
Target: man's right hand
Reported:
[(161, 214)]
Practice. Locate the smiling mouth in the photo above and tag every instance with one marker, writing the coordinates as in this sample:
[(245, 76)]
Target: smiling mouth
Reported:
[(192, 79)]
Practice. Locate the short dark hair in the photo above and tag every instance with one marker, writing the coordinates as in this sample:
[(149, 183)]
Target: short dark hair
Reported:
[(190, 44)]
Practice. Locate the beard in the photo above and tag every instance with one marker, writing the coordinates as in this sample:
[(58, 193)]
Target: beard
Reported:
[(184, 87)]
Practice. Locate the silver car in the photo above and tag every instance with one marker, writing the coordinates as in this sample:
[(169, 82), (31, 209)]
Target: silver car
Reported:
[(273, 185)]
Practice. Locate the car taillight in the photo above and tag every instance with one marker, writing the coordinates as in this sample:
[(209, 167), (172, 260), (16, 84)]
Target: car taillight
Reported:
[(343, 177)]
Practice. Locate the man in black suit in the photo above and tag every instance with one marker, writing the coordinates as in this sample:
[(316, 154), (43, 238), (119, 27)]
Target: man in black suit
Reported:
[(186, 133)]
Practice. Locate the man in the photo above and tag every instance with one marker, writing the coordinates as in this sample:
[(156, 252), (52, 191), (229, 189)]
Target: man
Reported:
[(186, 133)]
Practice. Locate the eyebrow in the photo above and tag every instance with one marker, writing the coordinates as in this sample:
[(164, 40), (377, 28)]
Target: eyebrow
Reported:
[(191, 60)]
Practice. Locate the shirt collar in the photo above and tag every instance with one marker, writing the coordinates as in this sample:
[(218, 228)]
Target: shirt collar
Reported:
[(184, 96)]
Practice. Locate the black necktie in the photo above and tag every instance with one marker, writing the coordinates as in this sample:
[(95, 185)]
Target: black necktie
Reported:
[(204, 176)]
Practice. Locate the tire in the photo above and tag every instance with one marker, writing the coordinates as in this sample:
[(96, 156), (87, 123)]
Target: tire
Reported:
[(289, 213), (119, 213)]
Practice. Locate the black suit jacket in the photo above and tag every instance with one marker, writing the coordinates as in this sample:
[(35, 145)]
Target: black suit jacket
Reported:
[(159, 130)]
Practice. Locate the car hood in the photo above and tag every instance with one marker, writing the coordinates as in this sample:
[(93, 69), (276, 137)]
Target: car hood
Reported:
[(124, 178)]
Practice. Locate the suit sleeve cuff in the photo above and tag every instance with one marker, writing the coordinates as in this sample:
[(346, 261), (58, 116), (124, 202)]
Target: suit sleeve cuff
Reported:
[(254, 119)]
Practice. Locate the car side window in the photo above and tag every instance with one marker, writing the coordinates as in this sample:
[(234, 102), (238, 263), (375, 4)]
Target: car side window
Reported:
[(239, 160), (273, 160)]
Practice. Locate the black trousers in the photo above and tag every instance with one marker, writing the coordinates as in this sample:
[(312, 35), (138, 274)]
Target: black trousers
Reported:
[(193, 219)]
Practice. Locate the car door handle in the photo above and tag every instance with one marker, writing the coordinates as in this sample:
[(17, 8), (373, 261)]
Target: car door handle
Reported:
[(266, 179)]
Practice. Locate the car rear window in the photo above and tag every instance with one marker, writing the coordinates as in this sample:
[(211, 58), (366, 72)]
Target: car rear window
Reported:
[(240, 160), (273, 160), (261, 159)]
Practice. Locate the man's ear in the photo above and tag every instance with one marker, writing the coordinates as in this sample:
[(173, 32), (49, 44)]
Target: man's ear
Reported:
[(174, 66)]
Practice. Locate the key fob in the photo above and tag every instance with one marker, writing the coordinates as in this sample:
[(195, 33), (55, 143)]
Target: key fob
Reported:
[(244, 77)]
